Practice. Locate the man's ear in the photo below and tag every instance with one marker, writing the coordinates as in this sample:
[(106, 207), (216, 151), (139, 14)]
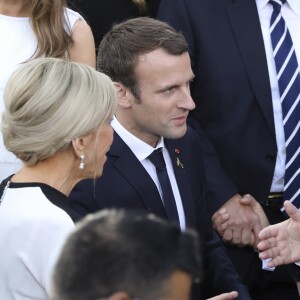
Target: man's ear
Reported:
[(78, 146), (119, 296), (124, 95)]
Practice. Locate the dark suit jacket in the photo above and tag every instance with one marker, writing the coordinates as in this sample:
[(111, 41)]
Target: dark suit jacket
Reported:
[(126, 184), (233, 96)]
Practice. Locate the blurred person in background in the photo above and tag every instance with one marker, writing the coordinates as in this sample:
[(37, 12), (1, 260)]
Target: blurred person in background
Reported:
[(121, 255), (35, 28)]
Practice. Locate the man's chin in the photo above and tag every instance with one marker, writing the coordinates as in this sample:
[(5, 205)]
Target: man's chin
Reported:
[(177, 133)]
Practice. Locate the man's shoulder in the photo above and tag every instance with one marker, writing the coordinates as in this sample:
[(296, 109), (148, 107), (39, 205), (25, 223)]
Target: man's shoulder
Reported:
[(191, 137), (188, 147)]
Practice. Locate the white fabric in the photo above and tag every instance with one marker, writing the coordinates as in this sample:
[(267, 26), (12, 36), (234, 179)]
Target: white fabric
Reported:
[(291, 14), (32, 231), (18, 44), (142, 150)]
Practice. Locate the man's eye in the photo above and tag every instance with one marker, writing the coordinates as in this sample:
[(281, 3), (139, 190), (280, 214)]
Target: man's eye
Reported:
[(170, 90)]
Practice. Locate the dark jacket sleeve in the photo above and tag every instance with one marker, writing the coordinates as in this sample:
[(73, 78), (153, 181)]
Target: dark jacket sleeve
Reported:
[(220, 275), (219, 186)]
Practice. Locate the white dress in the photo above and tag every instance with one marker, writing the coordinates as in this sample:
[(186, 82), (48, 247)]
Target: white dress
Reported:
[(18, 44), (35, 220)]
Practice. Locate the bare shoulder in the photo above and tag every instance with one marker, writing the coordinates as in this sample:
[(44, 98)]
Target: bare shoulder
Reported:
[(83, 49)]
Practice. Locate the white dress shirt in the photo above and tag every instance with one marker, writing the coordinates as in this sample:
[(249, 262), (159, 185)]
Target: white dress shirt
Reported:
[(291, 13), (142, 150)]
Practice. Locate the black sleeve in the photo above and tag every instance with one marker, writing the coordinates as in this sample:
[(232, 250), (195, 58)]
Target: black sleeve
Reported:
[(219, 186)]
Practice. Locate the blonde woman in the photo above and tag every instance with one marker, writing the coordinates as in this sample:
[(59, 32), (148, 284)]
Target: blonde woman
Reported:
[(57, 122), (38, 28)]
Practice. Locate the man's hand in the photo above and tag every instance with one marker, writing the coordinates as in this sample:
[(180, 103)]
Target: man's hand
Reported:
[(263, 219), (237, 221), (281, 242), (225, 296)]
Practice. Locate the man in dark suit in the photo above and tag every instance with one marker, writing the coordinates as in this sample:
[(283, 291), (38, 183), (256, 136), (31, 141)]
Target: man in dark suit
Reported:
[(149, 63), (238, 106)]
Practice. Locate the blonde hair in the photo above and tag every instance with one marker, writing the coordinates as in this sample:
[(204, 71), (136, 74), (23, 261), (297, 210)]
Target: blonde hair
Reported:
[(141, 6), (50, 26), (51, 101)]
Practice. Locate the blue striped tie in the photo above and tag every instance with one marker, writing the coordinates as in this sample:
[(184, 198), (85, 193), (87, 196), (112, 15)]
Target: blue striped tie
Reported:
[(289, 88)]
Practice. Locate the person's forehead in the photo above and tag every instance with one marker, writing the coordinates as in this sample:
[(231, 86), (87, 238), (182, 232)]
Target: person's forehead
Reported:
[(159, 56), (158, 64)]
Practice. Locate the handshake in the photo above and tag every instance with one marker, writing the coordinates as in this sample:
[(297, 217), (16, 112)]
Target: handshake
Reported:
[(243, 222), (240, 220)]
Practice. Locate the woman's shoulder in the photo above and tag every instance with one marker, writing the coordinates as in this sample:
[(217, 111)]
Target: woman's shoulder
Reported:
[(34, 202), (72, 17)]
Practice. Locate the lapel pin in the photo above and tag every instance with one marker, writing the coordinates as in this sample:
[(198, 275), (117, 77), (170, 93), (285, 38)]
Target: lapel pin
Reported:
[(179, 164), (177, 151)]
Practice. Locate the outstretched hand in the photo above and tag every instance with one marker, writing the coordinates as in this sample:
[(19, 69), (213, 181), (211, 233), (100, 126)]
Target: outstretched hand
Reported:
[(281, 242)]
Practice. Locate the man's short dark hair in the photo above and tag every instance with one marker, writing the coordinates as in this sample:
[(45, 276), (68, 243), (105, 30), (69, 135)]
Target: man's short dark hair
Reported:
[(114, 250), (120, 47)]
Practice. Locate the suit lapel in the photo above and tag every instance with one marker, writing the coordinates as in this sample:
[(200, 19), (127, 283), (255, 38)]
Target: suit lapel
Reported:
[(130, 167), (245, 24), (178, 161)]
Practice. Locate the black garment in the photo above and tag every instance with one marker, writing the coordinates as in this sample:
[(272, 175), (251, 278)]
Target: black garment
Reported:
[(102, 14), (54, 196)]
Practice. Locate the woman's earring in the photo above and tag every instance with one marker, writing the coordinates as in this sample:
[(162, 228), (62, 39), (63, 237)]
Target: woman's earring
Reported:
[(82, 164)]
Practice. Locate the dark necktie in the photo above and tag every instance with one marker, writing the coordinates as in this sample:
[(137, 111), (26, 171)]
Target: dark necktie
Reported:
[(156, 157), (288, 77)]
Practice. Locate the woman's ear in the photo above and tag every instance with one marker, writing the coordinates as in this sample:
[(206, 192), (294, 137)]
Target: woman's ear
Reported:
[(78, 146), (124, 95)]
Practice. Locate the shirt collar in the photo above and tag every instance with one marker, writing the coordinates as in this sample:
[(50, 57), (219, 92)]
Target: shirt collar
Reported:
[(294, 5), (140, 149), (261, 4)]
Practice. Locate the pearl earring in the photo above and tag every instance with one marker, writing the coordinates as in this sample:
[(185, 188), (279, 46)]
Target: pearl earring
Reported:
[(82, 164)]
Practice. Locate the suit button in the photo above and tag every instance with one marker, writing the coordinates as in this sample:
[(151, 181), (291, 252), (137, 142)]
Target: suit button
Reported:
[(271, 157)]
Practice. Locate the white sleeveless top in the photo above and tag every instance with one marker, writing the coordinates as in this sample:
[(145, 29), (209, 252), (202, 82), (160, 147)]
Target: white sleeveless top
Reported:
[(18, 44)]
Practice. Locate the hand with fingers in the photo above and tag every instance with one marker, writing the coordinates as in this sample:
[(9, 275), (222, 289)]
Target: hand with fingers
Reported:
[(281, 242), (240, 220), (263, 219)]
